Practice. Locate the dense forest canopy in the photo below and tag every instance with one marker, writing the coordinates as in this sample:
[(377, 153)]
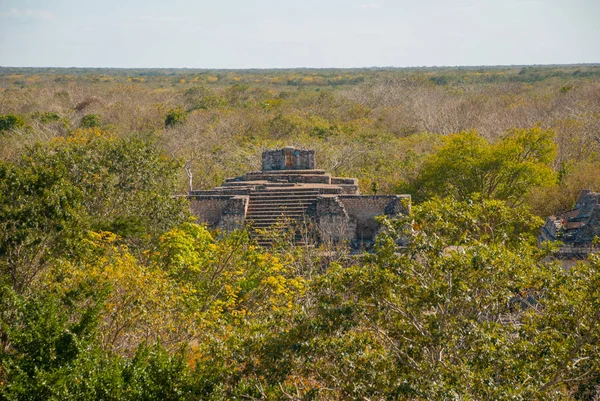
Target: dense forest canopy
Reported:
[(110, 290)]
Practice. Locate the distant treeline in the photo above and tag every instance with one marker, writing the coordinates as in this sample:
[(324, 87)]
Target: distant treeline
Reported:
[(314, 76)]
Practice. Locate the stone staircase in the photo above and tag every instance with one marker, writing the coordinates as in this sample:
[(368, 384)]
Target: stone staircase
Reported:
[(285, 205)]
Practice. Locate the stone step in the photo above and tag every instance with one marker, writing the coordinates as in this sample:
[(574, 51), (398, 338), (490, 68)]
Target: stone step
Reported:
[(291, 203), (264, 226), (273, 219), (291, 178), (275, 212), (283, 197), (275, 194), (268, 188), (231, 184), (254, 198), (291, 190), (278, 208), (280, 204), (291, 172), (222, 192)]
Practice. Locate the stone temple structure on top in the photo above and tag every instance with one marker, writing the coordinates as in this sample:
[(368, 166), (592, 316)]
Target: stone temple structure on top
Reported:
[(290, 191)]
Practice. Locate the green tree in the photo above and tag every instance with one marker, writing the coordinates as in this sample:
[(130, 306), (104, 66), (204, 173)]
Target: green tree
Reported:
[(175, 117), (41, 217), (11, 121), (90, 121), (467, 164), (90, 180), (127, 184), (51, 351), (467, 311)]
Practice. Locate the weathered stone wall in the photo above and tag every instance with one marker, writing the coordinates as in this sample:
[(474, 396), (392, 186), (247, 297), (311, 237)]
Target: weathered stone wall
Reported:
[(288, 158), (234, 213), (349, 185), (224, 212), (208, 208), (591, 228), (550, 230), (362, 210), (332, 220), (585, 203), (344, 180)]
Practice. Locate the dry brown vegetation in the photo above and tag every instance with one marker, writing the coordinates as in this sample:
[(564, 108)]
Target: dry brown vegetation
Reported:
[(377, 125)]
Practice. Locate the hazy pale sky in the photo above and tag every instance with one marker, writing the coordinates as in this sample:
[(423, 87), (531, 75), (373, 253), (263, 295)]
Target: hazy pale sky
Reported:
[(301, 33)]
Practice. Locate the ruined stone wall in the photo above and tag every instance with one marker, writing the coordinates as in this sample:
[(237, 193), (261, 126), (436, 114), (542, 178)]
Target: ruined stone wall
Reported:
[(224, 212), (344, 180), (288, 158), (349, 185), (591, 228), (362, 210), (208, 208), (332, 220), (234, 213)]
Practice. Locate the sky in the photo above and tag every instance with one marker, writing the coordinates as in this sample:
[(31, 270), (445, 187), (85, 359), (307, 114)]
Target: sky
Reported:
[(300, 33)]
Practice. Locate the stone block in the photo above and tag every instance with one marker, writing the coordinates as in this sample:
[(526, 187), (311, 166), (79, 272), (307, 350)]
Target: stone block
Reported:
[(288, 158)]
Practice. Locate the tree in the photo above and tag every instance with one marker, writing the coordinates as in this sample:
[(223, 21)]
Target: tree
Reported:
[(41, 217), (468, 311), (51, 351), (11, 121), (142, 304), (175, 117), (127, 184), (90, 121), (467, 164), (90, 180)]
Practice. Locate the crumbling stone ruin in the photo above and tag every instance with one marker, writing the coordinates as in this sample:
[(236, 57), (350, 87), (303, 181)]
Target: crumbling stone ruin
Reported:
[(289, 190), (576, 228)]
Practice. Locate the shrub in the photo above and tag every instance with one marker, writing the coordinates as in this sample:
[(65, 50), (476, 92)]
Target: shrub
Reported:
[(175, 117), (49, 117), (90, 121), (11, 121)]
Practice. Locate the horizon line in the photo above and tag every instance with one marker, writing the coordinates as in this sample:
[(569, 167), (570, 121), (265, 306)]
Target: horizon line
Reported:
[(592, 64)]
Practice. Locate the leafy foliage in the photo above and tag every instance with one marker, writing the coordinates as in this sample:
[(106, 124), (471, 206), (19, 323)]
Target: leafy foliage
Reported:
[(175, 117), (40, 217), (467, 164), (126, 183), (90, 121), (11, 121), (54, 354), (109, 291)]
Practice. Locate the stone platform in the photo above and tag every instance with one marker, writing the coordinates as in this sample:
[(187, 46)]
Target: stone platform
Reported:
[(290, 191)]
